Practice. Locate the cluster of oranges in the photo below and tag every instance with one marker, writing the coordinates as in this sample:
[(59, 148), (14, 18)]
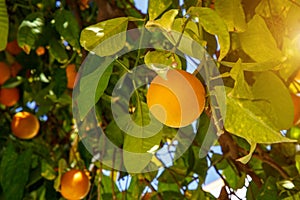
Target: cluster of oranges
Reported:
[(9, 96)]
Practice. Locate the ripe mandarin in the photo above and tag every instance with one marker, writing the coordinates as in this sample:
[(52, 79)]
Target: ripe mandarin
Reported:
[(75, 184), (296, 102), (25, 125), (9, 96), (71, 75), (177, 100), (4, 72), (13, 48)]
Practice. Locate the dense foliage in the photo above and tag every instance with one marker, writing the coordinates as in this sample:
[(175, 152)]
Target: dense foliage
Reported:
[(251, 109)]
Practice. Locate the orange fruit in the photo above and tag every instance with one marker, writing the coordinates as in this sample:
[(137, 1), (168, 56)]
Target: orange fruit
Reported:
[(177, 100), (25, 125), (4, 72), (40, 51), (71, 75), (13, 48), (296, 102), (74, 184), (15, 68), (9, 96)]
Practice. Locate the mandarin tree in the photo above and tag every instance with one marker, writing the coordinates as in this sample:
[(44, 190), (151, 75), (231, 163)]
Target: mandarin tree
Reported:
[(130, 99)]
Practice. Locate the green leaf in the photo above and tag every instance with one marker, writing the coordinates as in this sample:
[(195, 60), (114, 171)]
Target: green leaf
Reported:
[(205, 137), (13, 82), (245, 159), (166, 21), (233, 14), (60, 81), (47, 171), (160, 61), (93, 37), (273, 64), (67, 27), (114, 133), (241, 88), (213, 24), (58, 51), (14, 172), (155, 8), (276, 8), (251, 123), (90, 75), (279, 102), (138, 151), (3, 25), (294, 197), (190, 42), (269, 190), (62, 165), (297, 159), (103, 82), (30, 30), (258, 42)]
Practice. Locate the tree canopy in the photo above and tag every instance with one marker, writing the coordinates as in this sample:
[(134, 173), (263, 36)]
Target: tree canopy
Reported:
[(74, 82)]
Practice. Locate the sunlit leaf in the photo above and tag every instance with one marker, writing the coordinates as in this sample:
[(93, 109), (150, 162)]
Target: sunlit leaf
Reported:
[(279, 105), (160, 61), (241, 88), (273, 64), (47, 171), (258, 42), (213, 24), (166, 21), (30, 30), (94, 37), (138, 153), (252, 123), (233, 14), (3, 25), (156, 8)]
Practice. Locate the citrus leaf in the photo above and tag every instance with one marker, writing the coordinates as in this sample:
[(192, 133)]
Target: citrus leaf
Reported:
[(276, 8), (245, 159), (30, 30), (103, 82), (60, 81), (62, 165), (93, 37), (138, 151), (232, 13), (14, 172), (241, 88), (88, 89), (190, 42), (47, 171), (155, 8), (279, 102), (213, 24), (58, 51), (258, 42), (273, 64), (67, 26), (3, 25), (166, 21), (251, 124), (160, 61), (269, 190)]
